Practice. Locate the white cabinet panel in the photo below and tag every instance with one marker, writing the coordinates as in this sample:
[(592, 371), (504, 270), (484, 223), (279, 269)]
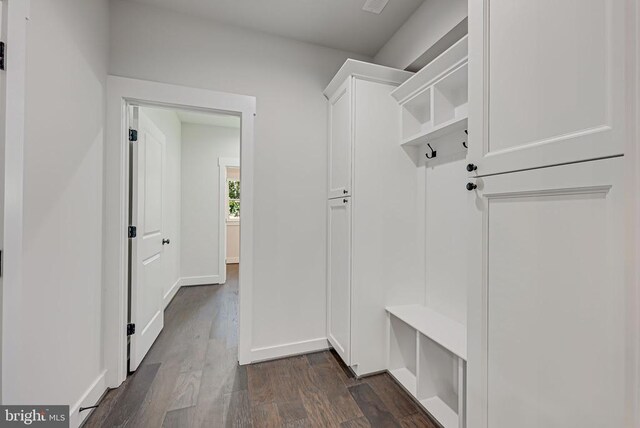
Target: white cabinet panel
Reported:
[(547, 297), (547, 82), (339, 277), (340, 141)]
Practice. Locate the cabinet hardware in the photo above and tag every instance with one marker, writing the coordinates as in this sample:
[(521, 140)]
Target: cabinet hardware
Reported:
[(166, 241), (471, 186), (345, 201), (345, 191), (471, 167)]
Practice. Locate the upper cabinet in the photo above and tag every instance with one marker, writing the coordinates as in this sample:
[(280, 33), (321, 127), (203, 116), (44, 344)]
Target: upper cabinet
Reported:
[(546, 83), (340, 94), (340, 142)]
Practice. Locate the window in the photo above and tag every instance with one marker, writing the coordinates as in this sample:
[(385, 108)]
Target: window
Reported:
[(233, 199)]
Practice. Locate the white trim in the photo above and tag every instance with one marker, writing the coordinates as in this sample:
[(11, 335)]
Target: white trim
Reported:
[(169, 295), (122, 92), (289, 349), (15, 17), (188, 281), (90, 398), (233, 260), (223, 163)]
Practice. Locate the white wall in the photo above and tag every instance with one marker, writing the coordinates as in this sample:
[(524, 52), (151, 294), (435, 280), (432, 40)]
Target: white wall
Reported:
[(202, 146), (167, 121), (287, 77), (431, 21), (233, 227), (58, 354)]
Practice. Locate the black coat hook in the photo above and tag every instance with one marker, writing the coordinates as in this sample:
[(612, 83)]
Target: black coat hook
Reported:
[(433, 152)]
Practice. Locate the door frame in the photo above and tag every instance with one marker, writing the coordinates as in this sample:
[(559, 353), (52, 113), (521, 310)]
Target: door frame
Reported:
[(15, 19), (122, 92), (223, 164)]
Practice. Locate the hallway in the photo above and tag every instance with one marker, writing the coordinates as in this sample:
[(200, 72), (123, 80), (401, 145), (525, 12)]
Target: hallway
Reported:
[(191, 378)]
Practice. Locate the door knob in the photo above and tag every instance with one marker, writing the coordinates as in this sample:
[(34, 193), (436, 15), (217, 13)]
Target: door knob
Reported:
[(166, 241), (345, 201), (471, 167), (471, 186), (345, 191)]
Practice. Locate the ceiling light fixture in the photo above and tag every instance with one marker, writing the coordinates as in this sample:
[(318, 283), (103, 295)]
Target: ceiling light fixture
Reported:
[(374, 6)]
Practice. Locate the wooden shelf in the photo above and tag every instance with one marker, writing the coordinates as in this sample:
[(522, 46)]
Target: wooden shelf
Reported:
[(406, 379), (448, 333), (437, 132), (441, 412)]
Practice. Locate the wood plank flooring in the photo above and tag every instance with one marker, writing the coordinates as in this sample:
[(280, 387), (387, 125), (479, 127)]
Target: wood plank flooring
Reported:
[(191, 378)]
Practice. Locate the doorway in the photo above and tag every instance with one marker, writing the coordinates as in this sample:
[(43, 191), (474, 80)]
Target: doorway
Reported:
[(184, 212), (123, 95)]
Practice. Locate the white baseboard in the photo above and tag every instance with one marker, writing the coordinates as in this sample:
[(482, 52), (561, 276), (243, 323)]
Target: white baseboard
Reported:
[(233, 260), (89, 398), (289, 349), (187, 281), (169, 295)]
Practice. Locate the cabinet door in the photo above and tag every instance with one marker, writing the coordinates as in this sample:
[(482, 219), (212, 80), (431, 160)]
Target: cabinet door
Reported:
[(340, 141), (547, 82), (339, 278), (547, 291)]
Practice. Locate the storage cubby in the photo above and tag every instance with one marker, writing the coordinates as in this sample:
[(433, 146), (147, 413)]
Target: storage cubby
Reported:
[(416, 114), (439, 377), (434, 101), (451, 97), (403, 354), (427, 356)]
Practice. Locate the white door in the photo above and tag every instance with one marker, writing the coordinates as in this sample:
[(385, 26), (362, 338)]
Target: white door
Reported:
[(146, 248), (340, 141), (547, 82), (339, 277), (547, 324)]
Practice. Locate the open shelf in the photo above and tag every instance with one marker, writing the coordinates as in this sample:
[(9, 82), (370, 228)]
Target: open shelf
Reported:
[(443, 330), (434, 132), (434, 101), (441, 412), (403, 355)]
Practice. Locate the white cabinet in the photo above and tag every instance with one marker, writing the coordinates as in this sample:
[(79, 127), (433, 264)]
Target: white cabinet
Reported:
[(339, 277), (547, 82), (547, 323), (340, 142), (382, 266)]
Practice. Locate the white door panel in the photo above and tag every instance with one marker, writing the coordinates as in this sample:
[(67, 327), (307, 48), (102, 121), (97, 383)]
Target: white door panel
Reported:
[(340, 142), (146, 249), (547, 297), (547, 82), (339, 277)]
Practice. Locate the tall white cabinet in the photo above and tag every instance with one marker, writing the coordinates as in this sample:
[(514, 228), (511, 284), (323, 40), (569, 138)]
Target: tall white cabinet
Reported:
[(374, 253), (549, 333)]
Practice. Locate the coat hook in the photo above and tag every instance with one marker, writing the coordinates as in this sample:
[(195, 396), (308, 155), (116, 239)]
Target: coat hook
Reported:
[(433, 152)]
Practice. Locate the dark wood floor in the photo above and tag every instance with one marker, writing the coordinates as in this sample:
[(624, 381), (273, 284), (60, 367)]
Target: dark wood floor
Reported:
[(191, 378)]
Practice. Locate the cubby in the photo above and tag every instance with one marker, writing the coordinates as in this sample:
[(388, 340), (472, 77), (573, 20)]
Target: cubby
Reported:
[(434, 101), (403, 364), (450, 96), (427, 356)]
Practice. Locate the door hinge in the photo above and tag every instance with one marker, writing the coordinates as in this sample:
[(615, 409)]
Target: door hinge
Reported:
[(133, 231), (2, 55), (133, 134), (131, 329)]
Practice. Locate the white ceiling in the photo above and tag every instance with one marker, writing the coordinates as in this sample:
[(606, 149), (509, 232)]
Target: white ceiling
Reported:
[(339, 24), (211, 119)]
